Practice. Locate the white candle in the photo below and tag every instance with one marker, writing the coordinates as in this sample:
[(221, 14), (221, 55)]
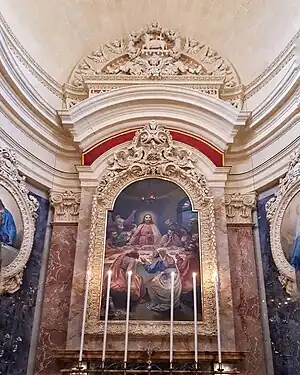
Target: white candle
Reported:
[(172, 317), (195, 318), (106, 315), (87, 282), (218, 318), (129, 274)]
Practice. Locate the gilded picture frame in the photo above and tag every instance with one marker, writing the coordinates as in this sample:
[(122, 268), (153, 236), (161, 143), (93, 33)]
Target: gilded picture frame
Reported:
[(15, 186), (152, 154), (276, 208)]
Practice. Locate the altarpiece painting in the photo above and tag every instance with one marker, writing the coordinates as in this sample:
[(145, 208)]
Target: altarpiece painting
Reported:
[(152, 214), (152, 231)]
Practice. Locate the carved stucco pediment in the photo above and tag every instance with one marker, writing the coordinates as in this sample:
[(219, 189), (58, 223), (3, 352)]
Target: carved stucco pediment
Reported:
[(154, 53)]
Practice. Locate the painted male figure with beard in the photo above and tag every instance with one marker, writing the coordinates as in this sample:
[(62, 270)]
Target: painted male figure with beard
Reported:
[(147, 233)]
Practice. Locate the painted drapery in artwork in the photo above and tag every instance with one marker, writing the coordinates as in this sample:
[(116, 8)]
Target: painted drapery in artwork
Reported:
[(152, 231)]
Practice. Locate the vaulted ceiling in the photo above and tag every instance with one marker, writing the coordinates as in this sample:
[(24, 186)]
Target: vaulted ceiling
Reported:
[(56, 33)]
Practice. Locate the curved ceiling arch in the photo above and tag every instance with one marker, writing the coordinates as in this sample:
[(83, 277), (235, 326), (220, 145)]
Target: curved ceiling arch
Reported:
[(240, 30), (110, 113)]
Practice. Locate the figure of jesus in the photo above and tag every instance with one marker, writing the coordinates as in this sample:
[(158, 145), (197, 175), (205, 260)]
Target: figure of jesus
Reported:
[(147, 233)]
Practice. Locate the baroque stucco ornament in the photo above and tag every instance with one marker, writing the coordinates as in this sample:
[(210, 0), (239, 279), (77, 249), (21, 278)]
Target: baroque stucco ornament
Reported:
[(152, 153), (14, 183), (239, 208), (289, 186), (154, 53), (66, 206)]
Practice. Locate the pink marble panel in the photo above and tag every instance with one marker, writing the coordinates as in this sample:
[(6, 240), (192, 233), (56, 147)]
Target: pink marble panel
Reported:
[(226, 304), (248, 329), (78, 281), (57, 293)]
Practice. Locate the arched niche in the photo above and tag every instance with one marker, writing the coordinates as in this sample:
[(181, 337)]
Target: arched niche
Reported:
[(152, 154)]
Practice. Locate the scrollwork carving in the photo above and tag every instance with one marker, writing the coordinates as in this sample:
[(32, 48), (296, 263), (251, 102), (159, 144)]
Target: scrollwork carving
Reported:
[(239, 207), (152, 153), (66, 206), (289, 186), (155, 52), (15, 184)]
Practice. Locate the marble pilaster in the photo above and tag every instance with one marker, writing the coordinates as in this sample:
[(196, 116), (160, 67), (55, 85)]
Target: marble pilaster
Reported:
[(80, 263), (246, 304), (226, 304), (57, 292)]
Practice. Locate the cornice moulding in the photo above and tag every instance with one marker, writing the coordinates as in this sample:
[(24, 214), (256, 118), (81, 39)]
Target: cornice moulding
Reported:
[(38, 170), (14, 74), (263, 174), (274, 68), (289, 84), (56, 141), (211, 115), (279, 123), (23, 56)]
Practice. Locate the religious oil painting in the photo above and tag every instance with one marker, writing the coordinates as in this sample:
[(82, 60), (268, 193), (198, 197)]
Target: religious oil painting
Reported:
[(290, 232), (152, 231), (11, 227)]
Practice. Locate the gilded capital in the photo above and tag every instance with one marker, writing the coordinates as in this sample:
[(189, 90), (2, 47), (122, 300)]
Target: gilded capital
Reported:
[(66, 206), (239, 208)]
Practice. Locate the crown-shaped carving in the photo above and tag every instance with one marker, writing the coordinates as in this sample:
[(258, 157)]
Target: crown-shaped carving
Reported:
[(292, 176), (152, 153), (154, 52)]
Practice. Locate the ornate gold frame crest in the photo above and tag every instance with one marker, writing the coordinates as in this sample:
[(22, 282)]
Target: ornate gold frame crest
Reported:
[(152, 154), (276, 207), (14, 183)]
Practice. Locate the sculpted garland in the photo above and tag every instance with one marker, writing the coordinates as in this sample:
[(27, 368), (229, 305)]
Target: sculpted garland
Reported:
[(152, 154), (18, 211)]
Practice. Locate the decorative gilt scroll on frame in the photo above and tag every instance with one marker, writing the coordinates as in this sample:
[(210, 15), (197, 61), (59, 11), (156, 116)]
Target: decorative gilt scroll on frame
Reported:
[(152, 155), (18, 211), (283, 213)]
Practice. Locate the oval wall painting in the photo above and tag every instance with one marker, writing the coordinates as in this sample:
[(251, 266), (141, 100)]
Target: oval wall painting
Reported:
[(11, 228), (290, 232)]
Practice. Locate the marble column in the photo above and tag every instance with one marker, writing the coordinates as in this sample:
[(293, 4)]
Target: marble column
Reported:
[(245, 288), (57, 292)]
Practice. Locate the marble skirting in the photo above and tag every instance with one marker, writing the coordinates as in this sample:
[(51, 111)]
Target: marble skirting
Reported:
[(57, 293)]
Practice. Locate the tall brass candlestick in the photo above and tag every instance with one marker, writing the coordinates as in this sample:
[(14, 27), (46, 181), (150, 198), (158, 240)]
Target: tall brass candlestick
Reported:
[(87, 283), (195, 319), (106, 316), (172, 317), (218, 319), (129, 274)]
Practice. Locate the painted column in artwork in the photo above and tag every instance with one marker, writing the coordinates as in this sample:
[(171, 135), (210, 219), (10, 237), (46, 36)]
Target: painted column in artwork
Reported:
[(248, 329), (57, 292)]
